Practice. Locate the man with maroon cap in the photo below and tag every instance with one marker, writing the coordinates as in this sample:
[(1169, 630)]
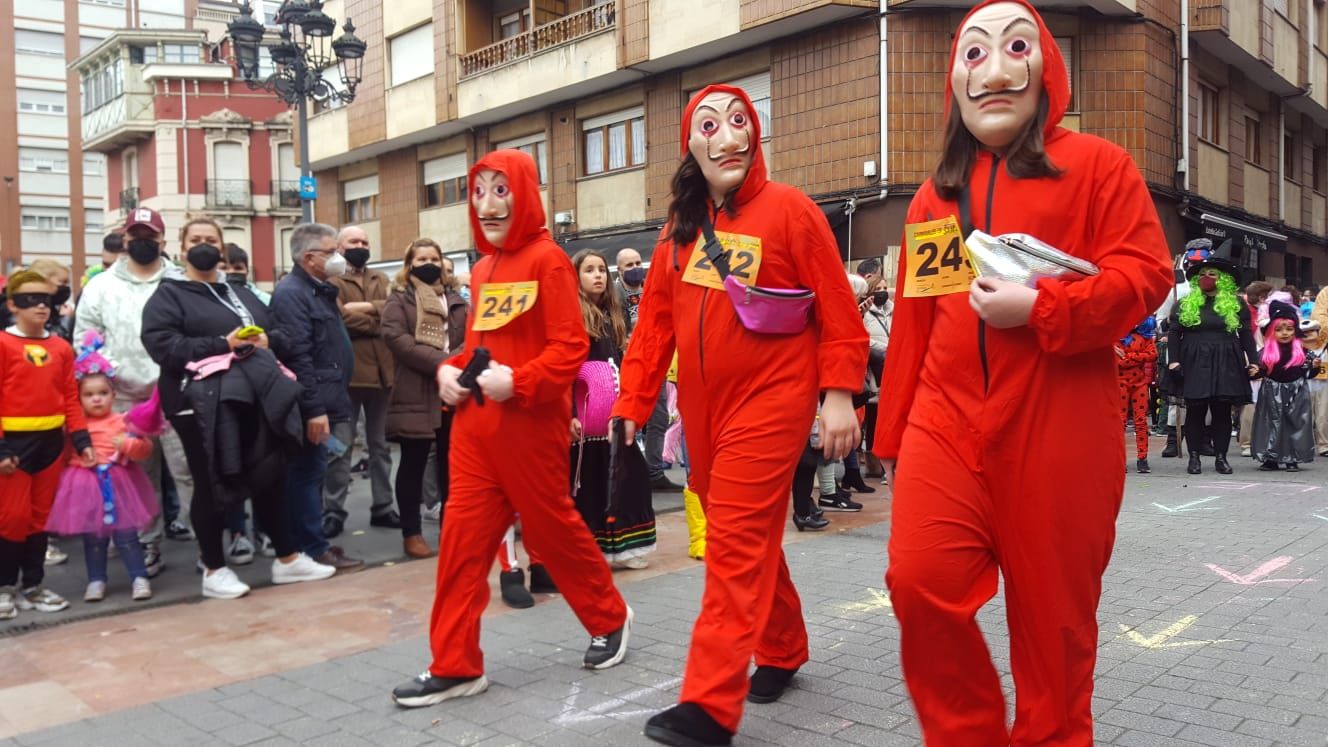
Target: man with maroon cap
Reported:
[(113, 305)]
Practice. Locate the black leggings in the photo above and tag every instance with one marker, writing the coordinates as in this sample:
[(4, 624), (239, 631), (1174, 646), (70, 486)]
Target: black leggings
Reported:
[(410, 475), (209, 519), (804, 477), (1198, 432)]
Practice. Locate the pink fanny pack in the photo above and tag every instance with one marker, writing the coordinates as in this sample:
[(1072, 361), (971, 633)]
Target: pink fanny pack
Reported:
[(768, 311)]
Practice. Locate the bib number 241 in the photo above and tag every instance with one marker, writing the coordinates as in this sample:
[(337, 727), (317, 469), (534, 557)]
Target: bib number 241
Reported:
[(500, 303)]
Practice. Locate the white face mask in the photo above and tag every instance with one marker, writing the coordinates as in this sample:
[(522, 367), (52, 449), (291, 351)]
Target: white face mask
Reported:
[(335, 266)]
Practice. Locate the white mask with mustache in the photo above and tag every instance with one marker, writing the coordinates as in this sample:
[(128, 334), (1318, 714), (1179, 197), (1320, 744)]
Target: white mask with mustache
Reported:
[(997, 73), (720, 140)]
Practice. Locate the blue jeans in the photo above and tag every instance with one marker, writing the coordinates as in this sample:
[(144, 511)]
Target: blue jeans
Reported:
[(131, 552), (304, 499)]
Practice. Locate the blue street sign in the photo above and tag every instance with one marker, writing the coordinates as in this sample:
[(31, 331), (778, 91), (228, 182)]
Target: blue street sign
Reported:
[(308, 188)]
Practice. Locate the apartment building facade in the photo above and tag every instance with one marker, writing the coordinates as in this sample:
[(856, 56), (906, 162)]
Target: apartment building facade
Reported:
[(181, 135), (594, 91)]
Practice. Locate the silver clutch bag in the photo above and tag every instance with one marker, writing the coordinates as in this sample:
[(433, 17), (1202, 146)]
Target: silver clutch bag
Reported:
[(1020, 258)]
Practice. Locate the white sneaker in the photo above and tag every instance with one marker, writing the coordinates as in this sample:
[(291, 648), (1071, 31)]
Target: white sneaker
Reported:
[(8, 610), (223, 584), (302, 568), (265, 545), (433, 513), (241, 551), (41, 599), (142, 590), (636, 563), (54, 555), (95, 592)]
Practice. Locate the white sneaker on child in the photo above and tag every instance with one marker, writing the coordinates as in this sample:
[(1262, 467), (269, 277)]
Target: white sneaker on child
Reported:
[(8, 610), (41, 599), (302, 568), (95, 592), (223, 584), (142, 590)]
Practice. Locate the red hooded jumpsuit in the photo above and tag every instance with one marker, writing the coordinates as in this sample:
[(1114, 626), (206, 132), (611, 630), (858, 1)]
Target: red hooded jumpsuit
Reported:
[(748, 401), (513, 456), (1009, 447)]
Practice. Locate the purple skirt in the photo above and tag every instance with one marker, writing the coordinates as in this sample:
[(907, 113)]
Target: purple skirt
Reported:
[(79, 507)]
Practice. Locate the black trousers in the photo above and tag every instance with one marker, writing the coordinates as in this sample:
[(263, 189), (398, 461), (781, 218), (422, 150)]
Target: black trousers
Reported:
[(1197, 429), (209, 519), (804, 477), (27, 558), (410, 475)]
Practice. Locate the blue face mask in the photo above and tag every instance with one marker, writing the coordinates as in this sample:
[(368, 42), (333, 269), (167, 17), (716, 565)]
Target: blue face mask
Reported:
[(634, 277)]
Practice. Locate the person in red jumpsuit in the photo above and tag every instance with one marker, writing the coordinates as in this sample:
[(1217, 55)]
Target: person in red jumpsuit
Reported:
[(510, 453), (1136, 365), (999, 403), (748, 400)]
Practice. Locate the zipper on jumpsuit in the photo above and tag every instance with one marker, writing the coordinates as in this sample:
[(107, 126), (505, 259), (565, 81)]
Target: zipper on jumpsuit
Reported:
[(982, 325), (497, 257)]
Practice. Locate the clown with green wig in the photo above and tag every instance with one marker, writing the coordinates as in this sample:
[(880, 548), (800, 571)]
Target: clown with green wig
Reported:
[(1213, 350)]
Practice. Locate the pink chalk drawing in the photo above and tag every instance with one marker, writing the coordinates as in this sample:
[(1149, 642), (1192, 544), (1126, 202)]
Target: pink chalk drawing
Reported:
[(1256, 576)]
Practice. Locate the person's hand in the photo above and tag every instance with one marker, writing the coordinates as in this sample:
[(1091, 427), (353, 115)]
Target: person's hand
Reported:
[(317, 429), (449, 390), (496, 382), (629, 431), (234, 340), (258, 340), (8, 465), (1252, 370), (575, 430), (360, 307), (88, 458), (839, 425), (1173, 366), (888, 466), (1001, 303)]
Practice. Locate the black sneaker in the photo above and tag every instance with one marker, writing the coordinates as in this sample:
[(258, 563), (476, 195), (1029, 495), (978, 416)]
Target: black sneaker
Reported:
[(608, 650), (179, 531), (662, 484), (768, 683), (333, 526), (839, 502), (687, 725), (1142, 466), (386, 520), (427, 690), (540, 580), (513, 586)]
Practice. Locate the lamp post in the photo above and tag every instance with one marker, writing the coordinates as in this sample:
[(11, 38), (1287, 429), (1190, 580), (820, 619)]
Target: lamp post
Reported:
[(299, 60)]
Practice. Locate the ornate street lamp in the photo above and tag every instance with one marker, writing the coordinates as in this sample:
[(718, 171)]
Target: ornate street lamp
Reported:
[(298, 61)]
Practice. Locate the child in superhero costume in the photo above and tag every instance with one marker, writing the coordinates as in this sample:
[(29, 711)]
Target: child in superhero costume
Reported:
[(1136, 360), (747, 400), (526, 313), (980, 489), (40, 413)]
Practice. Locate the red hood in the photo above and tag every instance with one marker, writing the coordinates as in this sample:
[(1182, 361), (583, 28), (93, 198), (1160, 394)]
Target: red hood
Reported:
[(756, 175), (1055, 79), (528, 223)]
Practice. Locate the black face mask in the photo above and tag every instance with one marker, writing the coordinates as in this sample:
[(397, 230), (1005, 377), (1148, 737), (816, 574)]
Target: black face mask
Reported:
[(880, 298), (239, 278), (61, 296), (144, 251), (427, 273), (357, 257), (203, 257)]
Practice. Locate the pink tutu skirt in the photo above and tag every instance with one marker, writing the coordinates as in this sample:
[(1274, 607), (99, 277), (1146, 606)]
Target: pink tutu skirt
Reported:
[(79, 509)]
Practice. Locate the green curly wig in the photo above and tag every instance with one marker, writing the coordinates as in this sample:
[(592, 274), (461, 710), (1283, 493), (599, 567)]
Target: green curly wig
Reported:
[(1225, 303)]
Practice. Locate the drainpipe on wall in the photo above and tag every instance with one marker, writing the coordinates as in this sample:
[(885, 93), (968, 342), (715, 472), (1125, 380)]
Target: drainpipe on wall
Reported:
[(884, 173), (1183, 163), (184, 140), (1281, 160)]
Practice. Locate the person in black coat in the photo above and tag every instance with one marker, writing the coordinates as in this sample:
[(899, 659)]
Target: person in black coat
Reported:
[(1212, 351), (189, 320), (304, 309)]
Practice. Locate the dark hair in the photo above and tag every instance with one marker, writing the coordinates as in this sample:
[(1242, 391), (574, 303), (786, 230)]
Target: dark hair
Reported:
[(687, 211), (236, 256), (1026, 158), (868, 266), (113, 242)]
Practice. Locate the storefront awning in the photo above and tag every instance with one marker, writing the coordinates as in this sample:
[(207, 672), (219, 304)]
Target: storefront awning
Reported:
[(1219, 228), (608, 245)]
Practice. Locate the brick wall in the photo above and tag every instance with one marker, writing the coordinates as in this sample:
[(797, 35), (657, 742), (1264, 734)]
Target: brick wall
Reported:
[(445, 61), (1112, 85), (327, 208), (633, 32), (366, 118), (563, 166), (826, 106), (398, 201), (918, 59), (756, 12), (663, 114)]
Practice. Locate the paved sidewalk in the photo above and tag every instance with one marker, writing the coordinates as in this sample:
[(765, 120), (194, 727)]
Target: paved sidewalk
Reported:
[(1214, 632)]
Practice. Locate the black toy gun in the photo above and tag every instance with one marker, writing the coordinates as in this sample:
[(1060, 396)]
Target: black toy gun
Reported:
[(479, 363)]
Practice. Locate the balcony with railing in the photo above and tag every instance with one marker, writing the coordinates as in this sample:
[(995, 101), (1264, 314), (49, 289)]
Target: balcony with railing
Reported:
[(229, 194), (285, 195), (562, 31), (129, 198)]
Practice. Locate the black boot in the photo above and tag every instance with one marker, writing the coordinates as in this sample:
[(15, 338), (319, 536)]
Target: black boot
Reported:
[(1142, 466), (1194, 468), (853, 481), (768, 683), (540, 580), (687, 725), (1173, 445), (1221, 464), (513, 584), (815, 521)]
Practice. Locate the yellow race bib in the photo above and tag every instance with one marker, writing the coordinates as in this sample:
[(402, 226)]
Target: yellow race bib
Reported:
[(744, 253), (500, 303), (936, 261)]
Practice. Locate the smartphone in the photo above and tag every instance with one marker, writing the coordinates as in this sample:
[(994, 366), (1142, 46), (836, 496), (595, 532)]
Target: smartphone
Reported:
[(335, 447), (250, 331)]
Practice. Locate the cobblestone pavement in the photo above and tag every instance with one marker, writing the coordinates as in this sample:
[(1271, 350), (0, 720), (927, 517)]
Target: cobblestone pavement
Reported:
[(1214, 631)]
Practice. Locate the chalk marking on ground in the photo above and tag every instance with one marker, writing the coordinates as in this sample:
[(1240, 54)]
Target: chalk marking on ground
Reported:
[(1160, 640), (1191, 506), (1256, 576), (573, 715)]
